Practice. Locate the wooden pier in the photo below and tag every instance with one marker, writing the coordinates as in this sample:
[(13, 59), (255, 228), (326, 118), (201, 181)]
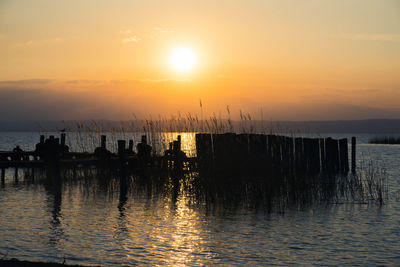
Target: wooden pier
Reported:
[(261, 155), (229, 154)]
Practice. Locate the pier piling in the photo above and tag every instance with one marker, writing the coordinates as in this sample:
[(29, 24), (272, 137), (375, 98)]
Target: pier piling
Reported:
[(103, 141), (344, 158), (63, 139), (353, 155)]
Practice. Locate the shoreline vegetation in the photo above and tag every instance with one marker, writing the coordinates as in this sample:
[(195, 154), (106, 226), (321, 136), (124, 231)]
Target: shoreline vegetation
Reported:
[(387, 140)]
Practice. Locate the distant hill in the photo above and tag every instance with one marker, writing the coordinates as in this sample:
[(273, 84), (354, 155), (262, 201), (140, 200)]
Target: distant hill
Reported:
[(350, 126)]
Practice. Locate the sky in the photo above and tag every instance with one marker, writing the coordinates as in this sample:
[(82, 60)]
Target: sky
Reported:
[(276, 60)]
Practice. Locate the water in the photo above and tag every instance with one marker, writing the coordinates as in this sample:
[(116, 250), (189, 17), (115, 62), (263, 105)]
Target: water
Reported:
[(86, 222)]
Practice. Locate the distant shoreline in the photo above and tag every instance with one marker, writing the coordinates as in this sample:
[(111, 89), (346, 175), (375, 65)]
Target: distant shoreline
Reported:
[(372, 126)]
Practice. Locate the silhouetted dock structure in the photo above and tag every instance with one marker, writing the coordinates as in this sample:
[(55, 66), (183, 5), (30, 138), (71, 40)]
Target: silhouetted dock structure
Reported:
[(255, 155), (260, 154)]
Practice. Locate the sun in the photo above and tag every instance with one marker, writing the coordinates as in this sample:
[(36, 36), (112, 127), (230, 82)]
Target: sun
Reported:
[(183, 59)]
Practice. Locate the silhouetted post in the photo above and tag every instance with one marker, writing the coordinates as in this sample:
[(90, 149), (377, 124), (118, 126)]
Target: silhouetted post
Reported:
[(307, 153), (353, 154), (344, 157), (144, 152), (290, 152), (3, 175), (275, 151), (122, 166), (63, 139), (315, 155), (299, 153), (42, 139), (332, 155), (179, 142), (52, 158), (322, 154), (130, 147), (103, 141), (204, 151), (122, 155), (168, 156)]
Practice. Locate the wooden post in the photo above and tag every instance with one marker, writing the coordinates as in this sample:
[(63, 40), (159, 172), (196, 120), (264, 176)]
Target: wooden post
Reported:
[(204, 151), (130, 147), (322, 154), (289, 151), (103, 141), (122, 157), (42, 139), (344, 157), (3, 175), (121, 148), (299, 153), (315, 155), (122, 167), (307, 153), (179, 141), (353, 154), (63, 139), (332, 155), (52, 159), (278, 152)]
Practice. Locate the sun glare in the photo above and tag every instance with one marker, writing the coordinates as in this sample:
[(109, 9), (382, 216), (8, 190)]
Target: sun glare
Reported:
[(183, 59)]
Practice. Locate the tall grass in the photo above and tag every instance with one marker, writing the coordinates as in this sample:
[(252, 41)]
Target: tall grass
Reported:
[(272, 190)]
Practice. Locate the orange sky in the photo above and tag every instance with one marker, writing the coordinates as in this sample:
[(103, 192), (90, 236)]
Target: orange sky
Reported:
[(295, 60)]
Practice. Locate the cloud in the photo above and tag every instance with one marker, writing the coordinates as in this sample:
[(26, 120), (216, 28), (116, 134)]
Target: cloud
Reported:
[(39, 99), (386, 37), (76, 99), (26, 82), (132, 39)]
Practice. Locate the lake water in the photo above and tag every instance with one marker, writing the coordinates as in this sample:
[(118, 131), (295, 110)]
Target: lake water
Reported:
[(87, 222)]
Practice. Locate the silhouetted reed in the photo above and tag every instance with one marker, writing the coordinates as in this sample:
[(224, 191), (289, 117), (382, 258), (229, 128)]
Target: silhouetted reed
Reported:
[(247, 181)]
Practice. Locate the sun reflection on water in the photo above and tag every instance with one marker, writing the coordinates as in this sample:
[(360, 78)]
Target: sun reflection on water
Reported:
[(171, 229)]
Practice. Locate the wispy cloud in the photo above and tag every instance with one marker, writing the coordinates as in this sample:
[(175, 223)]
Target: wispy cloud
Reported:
[(30, 82), (41, 41), (131, 39), (387, 37)]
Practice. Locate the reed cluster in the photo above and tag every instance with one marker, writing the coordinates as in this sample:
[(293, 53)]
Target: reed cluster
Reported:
[(267, 189)]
